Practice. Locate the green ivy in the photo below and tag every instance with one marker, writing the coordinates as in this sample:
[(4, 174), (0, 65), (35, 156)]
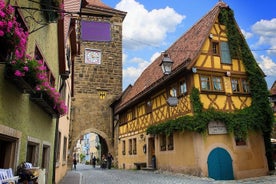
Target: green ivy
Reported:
[(259, 116), (237, 122)]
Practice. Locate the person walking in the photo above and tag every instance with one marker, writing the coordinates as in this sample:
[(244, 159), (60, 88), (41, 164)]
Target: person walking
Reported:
[(75, 163), (109, 160), (94, 161)]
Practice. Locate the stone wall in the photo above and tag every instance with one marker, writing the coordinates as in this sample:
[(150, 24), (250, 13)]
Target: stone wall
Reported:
[(96, 86)]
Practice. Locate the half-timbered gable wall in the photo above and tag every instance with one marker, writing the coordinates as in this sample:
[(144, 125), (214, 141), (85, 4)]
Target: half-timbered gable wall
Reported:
[(202, 61), (222, 83)]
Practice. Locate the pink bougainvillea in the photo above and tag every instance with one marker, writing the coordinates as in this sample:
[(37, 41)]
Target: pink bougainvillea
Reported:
[(14, 39), (12, 35)]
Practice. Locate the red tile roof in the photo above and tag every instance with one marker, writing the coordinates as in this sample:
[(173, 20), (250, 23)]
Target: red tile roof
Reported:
[(273, 89), (98, 3), (97, 7), (183, 53)]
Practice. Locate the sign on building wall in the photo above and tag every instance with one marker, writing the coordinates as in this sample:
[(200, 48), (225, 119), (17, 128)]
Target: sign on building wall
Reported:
[(102, 94), (216, 127), (95, 31)]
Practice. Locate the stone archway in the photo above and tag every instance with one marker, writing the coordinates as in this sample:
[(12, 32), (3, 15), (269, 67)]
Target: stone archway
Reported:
[(96, 84), (93, 130)]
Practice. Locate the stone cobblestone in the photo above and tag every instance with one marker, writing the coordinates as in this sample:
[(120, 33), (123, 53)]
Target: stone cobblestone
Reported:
[(89, 175)]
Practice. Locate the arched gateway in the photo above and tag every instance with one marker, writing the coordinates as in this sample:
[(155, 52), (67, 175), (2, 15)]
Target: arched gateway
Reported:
[(97, 72)]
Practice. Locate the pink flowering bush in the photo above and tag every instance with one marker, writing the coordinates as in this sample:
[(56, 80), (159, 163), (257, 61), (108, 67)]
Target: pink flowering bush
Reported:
[(44, 86), (34, 73), (13, 42), (12, 36)]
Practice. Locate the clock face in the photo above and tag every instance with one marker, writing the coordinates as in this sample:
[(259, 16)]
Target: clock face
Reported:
[(92, 56)]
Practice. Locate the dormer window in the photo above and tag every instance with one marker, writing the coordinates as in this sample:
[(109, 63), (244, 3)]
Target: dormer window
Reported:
[(183, 87), (225, 53)]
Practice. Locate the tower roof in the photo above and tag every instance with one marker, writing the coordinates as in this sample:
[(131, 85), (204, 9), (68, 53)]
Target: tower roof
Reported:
[(98, 3)]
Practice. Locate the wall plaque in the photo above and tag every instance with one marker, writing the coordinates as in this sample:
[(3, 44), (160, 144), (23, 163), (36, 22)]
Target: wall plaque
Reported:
[(216, 127)]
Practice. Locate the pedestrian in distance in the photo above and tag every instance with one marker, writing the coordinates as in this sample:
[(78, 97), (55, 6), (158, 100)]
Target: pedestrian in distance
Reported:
[(75, 163), (104, 162), (109, 160), (94, 161)]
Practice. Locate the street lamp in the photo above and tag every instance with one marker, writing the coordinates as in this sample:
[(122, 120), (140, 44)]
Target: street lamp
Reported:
[(166, 64)]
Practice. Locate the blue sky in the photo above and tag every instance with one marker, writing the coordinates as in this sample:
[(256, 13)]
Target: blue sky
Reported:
[(150, 27)]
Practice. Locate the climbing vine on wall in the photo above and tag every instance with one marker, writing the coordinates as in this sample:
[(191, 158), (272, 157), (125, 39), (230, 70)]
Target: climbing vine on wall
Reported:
[(258, 116)]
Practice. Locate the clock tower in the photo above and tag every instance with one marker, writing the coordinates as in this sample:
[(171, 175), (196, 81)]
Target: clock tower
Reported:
[(97, 78)]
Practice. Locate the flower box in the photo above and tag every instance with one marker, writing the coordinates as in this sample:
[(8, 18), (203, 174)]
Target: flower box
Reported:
[(43, 100), (20, 82)]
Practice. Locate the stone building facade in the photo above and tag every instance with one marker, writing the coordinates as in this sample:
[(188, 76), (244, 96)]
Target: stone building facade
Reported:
[(97, 73)]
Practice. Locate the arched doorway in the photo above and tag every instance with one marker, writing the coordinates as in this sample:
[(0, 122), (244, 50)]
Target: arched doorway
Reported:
[(220, 165), (88, 146)]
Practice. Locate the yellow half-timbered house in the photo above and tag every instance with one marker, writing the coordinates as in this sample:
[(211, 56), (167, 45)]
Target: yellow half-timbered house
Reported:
[(161, 120)]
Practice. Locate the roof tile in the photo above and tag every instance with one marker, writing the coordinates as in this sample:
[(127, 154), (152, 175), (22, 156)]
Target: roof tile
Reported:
[(186, 48)]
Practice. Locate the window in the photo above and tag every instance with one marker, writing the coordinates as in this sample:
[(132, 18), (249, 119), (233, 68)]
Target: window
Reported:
[(217, 83), (134, 114), (20, 20), (58, 147), (32, 153), (170, 142), (124, 147), (148, 107), (130, 146), (215, 49), (173, 92), (205, 83), (50, 76), (64, 148), (134, 149), (163, 142), (240, 85), (182, 87), (8, 149), (225, 53), (211, 83), (166, 142), (240, 141), (245, 86), (235, 85)]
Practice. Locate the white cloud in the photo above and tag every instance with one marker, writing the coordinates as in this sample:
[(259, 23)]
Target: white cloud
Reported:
[(266, 30), (267, 65), (143, 28), (131, 73), (247, 35), (154, 56)]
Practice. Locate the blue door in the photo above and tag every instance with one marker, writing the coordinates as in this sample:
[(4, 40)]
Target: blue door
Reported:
[(220, 165)]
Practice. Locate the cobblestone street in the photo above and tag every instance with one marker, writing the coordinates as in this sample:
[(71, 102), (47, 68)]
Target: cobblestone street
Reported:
[(85, 174)]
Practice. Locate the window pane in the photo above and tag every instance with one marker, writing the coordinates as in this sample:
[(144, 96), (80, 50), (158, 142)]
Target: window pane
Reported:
[(170, 142), (225, 53), (215, 47), (183, 87), (245, 86), (173, 92), (205, 83), (235, 85), (217, 83), (130, 147), (162, 142)]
